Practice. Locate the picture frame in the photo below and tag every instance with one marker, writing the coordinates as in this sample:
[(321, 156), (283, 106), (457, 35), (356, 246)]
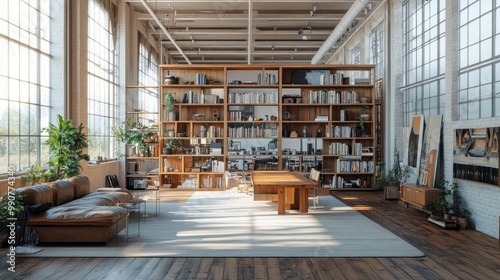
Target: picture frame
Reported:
[(236, 145)]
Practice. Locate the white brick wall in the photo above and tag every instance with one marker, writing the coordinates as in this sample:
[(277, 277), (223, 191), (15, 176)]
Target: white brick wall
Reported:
[(480, 199)]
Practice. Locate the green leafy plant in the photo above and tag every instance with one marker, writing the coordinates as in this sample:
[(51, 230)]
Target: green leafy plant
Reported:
[(133, 133), (449, 202), (361, 124), (35, 175), (10, 207), (169, 102), (363, 109), (391, 177), (66, 143)]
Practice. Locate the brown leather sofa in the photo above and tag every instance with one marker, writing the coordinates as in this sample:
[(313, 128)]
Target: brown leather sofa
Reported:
[(66, 211)]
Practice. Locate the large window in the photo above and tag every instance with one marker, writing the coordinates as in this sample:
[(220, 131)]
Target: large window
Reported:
[(355, 59), (423, 58), (24, 81), (147, 96), (377, 50), (102, 78), (479, 95)]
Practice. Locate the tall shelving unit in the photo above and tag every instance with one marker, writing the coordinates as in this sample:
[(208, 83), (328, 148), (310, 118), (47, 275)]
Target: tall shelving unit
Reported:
[(196, 129), (142, 169), (238, 118)]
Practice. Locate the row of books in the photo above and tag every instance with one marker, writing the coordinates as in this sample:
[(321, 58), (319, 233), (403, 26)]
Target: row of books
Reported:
[(344, 165), (253, 98), (199, 98), (339, 183), (252, 132), (338, 148), (209, 182), (201, 79), (269, 79), (332, 97), (331, 79)]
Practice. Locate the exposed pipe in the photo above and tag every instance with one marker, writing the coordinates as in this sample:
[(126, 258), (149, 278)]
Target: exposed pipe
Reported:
[(250, 30), (151, 12), (358, 27), (340, 29)]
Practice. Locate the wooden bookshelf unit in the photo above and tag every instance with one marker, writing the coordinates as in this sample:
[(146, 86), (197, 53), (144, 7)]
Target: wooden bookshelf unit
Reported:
[(240, 118)]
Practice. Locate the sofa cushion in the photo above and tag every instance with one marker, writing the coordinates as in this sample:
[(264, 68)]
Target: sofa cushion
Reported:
[(38, 208), (82, 185), (39, 194), (63, 190), (101, 199), (79, 216)]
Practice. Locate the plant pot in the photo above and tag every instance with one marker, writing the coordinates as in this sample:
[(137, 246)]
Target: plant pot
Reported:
[(365, 117), (364, 100), (170, 116), (167, 151), (391, 192), (463, 222)]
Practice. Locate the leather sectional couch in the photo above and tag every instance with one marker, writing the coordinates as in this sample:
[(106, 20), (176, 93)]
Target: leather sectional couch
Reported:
[(66, 211)]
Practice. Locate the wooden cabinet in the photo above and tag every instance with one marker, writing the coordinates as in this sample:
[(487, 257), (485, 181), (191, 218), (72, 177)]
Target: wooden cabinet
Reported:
[(240, 118), (419, 196)]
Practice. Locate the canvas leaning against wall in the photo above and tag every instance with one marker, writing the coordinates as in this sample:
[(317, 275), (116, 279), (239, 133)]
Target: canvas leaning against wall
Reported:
[(413, 154), (475, 154), (430, 151)]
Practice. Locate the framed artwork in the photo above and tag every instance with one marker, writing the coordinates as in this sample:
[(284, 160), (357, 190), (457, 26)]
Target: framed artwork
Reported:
[(475, 154), (237, 146)]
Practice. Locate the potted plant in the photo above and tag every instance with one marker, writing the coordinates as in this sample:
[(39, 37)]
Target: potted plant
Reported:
[(364, 98), (169, 107), (135, 134), (389, 179), (446, 206), (11, 206), (360, 128), (463, 217), (364, 112), (66, 143)]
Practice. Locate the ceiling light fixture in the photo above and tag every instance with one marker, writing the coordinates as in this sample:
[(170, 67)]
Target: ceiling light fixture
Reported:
[(313, 9), (305, 33)]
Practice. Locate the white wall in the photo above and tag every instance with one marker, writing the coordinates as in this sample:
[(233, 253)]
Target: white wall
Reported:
[(480, 199)]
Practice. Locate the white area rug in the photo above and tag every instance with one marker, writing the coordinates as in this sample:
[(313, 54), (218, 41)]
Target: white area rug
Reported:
[(230, 224)]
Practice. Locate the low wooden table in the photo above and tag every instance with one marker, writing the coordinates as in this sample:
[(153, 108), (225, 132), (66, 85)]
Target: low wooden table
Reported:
[(292, 188)]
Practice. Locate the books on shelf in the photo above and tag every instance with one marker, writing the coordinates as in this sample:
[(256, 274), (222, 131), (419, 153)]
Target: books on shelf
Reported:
[(343, 115), (362, 81), (200, 98), (332, 97), (253, 97), (321, 118)]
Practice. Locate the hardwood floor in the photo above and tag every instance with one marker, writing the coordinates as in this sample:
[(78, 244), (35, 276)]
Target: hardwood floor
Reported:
[(449, 254)]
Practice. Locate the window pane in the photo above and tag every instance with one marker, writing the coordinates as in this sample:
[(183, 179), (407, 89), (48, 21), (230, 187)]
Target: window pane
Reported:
[(22, 107), (102, 81)]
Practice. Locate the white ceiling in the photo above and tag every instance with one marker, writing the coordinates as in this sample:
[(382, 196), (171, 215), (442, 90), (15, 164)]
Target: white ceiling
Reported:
[(218, 31)]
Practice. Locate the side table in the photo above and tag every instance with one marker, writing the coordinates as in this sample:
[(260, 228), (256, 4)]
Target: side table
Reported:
[(131, 207)]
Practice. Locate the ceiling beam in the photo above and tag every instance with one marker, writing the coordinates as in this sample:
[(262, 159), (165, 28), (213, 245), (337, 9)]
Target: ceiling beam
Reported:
[(257, 44), (145, 4)]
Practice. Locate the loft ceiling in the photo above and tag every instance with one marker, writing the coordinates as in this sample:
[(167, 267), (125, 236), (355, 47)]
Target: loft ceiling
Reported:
[(232, 31)]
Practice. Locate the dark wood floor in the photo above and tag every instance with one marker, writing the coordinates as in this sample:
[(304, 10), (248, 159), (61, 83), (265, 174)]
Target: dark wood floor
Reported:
[(450, 254)]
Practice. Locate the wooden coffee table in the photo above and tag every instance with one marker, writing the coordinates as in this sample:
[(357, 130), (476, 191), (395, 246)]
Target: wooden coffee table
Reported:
[(292, 188)]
